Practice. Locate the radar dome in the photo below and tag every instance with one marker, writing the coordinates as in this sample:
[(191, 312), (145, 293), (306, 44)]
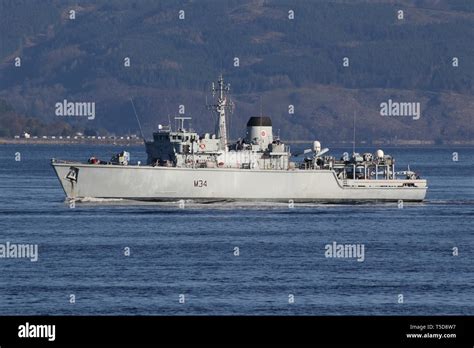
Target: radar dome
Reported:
[(316, 146)]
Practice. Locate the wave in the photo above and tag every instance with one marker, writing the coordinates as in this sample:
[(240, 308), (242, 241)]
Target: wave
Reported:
[(96, 200), (267, 205)]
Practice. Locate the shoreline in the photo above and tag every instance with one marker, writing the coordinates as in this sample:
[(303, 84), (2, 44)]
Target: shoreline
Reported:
[(84, 141), (138, 141)]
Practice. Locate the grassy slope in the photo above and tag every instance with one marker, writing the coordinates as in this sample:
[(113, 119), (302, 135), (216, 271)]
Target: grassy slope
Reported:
[(282, 62)]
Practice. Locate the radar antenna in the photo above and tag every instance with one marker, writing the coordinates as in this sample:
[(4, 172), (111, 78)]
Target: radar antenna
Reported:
[(221, 105)]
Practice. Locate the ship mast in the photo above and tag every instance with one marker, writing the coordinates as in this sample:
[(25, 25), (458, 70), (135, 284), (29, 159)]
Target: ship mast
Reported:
[(220, 108)]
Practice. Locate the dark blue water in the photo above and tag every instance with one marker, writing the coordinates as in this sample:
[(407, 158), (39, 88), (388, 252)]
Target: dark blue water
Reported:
[(190, 251)]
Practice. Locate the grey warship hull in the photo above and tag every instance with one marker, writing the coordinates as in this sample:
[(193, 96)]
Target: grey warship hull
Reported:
[(149, 183), (183, 164)]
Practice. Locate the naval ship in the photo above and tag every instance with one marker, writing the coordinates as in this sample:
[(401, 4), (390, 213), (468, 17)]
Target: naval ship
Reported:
[(185, 165)]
